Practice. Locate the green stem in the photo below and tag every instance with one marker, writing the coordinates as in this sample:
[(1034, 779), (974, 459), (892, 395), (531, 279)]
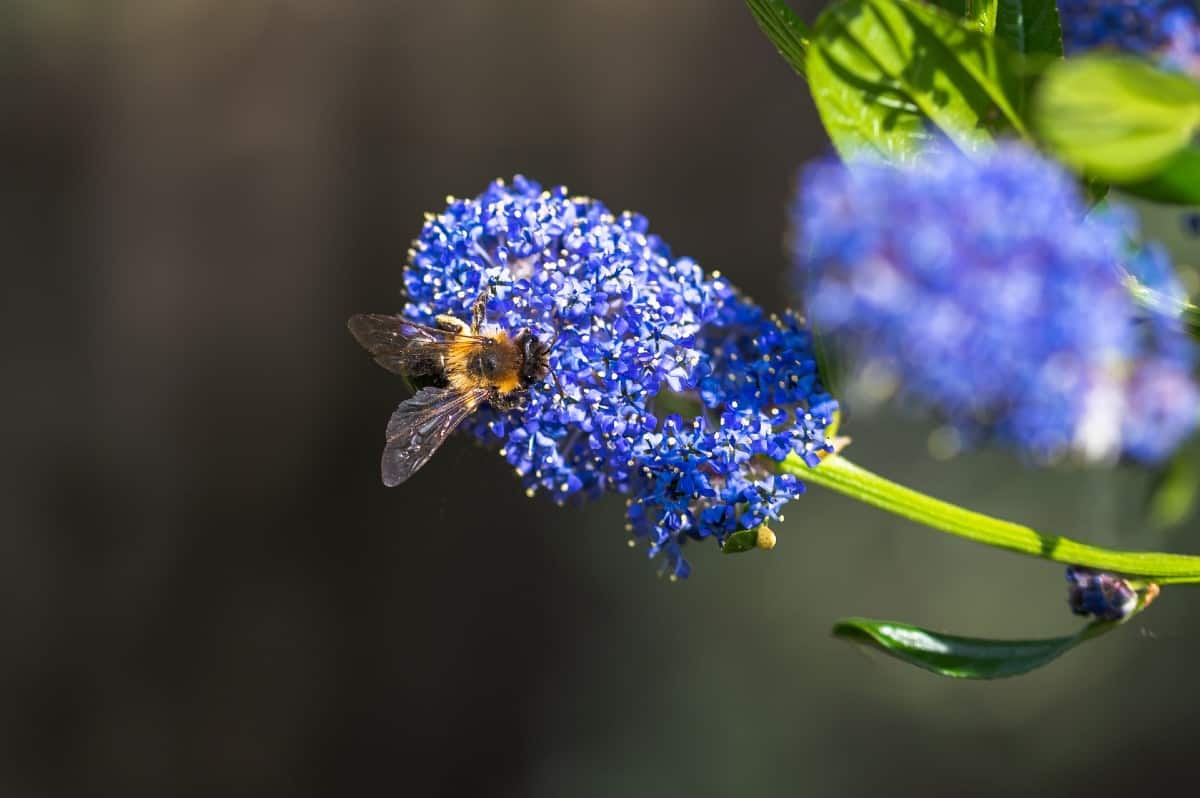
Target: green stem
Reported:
[(839, 474)]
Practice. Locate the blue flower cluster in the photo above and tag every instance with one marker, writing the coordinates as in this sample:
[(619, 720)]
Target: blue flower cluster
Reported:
[(1106, 596), (636, 334), (1166, 30), (983, 290)]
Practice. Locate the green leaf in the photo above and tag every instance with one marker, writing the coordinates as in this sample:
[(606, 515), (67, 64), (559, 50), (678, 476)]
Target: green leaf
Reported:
[(1095, 191), (973, 12), (740, 541), (962, 657), (1029, 27), (956, 8), (1117, 119), (1171, 498), (760, 537), (1178, 182), (786, 31), (881, 70), (979, 15), (831, 363)]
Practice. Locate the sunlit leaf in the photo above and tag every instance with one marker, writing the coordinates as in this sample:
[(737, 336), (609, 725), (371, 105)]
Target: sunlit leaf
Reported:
[(1117, 119), (962, 657), (887, 74), (786, 31), (979, 15), (1177, 182), (740, 541), (1172, 495), (760, 537)]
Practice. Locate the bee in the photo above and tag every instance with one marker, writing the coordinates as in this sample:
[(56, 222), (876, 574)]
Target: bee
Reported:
[(460, 365)]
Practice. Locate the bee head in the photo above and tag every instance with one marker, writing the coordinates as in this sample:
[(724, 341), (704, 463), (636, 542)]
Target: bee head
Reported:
[(535, 357)]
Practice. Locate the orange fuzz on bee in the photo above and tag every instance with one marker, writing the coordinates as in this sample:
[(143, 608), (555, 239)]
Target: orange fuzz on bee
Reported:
[(492, 360)]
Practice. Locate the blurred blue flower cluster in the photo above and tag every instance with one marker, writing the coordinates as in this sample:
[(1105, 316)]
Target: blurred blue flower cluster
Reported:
[(1167, 31), (982, 289), (636, 334)]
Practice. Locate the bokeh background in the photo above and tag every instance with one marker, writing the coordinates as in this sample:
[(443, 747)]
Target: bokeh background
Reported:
[(205, 590)]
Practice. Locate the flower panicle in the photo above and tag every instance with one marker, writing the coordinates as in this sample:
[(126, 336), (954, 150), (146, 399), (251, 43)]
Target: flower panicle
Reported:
[(1010, 316), (636, 334), (1166, 31)]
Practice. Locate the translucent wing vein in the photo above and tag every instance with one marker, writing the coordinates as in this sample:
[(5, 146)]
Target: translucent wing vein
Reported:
[(420, 425)]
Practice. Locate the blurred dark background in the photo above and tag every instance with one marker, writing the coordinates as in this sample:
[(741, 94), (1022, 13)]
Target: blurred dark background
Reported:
[(205, 590)]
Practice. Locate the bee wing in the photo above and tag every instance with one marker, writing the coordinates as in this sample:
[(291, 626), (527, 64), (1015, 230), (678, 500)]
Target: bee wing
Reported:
[(387, 338), (420, 425), (391, 339)]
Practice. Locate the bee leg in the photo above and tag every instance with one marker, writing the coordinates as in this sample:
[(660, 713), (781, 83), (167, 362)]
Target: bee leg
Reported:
[(451, 324), (479, 310), (510, 401)]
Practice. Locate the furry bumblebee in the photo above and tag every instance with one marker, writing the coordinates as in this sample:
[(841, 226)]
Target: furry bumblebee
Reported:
[(461, 366)]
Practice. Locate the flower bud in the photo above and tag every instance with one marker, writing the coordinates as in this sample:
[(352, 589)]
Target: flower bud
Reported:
[(1106, 596)]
